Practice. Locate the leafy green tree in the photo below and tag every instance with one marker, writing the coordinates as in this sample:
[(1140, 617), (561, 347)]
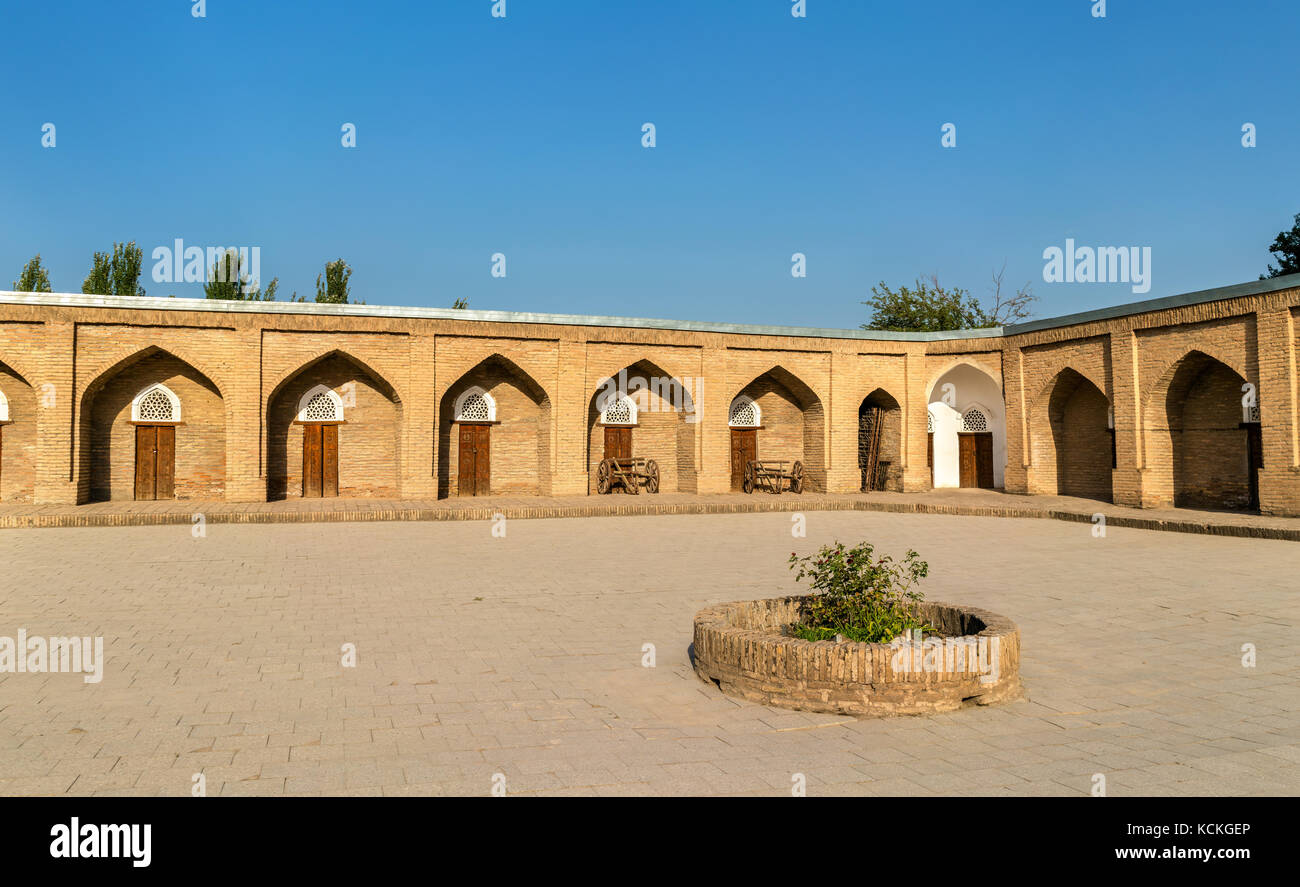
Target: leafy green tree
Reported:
[(34, 279), (460, 303), (928, 307), (333, 287), (228, 281), (117, 274), (1287, 250)]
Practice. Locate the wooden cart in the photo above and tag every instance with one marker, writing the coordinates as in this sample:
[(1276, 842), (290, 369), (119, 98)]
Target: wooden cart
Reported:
[(772, 476), (630, 474)]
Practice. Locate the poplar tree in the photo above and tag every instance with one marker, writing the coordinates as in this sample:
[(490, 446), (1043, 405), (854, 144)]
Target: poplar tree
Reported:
[(34, 279)]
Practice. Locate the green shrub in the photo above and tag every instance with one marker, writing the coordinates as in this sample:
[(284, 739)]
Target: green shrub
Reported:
[(859, 596)]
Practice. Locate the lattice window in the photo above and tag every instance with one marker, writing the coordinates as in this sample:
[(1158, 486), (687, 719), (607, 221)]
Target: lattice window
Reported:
[(156, 404), (744, 414), (929, 422), (1252, 414), (476, 405), (320, 404), (621, 411), (974, 420)]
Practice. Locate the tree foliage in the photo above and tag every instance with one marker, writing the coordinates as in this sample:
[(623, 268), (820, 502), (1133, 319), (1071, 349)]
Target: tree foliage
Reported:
[(928, 307), (116, 274), (34, 279), (333, 287), (1286, 248), (228, 281)]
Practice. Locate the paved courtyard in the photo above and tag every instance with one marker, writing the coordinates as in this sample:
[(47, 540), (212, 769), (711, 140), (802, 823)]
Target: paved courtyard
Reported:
[(522, 656)]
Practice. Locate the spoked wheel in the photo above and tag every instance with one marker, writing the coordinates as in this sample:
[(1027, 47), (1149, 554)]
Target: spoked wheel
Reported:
[(631, 483), (748, 485), (602, 477), (652, 476), (796, 478)]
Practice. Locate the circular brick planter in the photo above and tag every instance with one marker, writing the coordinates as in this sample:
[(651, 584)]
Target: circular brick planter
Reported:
[(741, 648)]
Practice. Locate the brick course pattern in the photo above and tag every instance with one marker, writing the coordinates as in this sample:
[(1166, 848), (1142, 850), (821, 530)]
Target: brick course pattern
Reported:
[(740, 647), (1164, 378)]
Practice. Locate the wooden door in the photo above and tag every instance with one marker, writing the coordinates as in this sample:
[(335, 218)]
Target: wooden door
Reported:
[(744, 449), (320, 461), (329, 454), (969, 474), (1254, 459), (313, 463), (984, 460), (929, 455), (155, 462), (474, 472), (618, 443)]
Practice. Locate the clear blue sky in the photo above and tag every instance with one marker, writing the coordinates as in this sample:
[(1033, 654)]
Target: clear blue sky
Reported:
[(523, 136)]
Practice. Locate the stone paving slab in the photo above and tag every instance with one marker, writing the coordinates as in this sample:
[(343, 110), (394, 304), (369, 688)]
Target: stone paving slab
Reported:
[(522, 656), (967, 502)]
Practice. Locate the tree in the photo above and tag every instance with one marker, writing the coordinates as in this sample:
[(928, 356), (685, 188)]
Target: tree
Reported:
[(227, 281), (1287, 250), (334, 288), (117, 274), (927, 307), (460, 303), (34, 279)]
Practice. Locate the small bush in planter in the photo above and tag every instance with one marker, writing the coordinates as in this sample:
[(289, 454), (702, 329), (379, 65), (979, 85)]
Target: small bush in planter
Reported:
[(858, 595)]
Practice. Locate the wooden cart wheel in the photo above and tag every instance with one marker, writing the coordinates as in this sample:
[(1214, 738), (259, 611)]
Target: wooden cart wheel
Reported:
[(602, 477), (748, 485), (652, 476), (796, 478)]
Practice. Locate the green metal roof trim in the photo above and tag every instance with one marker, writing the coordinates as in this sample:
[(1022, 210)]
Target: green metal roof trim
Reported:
[(1219, 294), (79, 300)]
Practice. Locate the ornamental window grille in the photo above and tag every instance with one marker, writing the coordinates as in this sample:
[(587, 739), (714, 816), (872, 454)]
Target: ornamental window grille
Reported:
[(476, 405), (745, 414), (620, 411), (320, 404), (1252, 414), (929, 422), (156, 403), (974, 420)]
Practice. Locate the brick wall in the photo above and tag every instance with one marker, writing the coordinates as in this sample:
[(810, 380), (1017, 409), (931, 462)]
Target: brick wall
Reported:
[(1172, 376)]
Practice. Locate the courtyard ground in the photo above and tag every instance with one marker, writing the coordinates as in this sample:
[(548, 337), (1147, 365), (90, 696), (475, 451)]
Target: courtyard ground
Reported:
[(523, 656)]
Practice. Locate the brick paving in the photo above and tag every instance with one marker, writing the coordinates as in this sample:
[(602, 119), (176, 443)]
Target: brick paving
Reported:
[(970, 502), (522, 655)]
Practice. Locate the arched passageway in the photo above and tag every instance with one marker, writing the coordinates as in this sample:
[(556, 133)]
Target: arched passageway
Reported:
[(334, 428), (17, 437), (643, 411), (1202, 447), (152, 427), (792, 427), (1072, 435), (880, 436), (967, 428), (494, 433)]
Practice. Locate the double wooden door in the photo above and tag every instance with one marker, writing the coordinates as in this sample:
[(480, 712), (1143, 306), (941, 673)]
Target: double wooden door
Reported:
[(474, 476), (155, 462), (618, 443), (744, 449), (1254, 460), (320, 461), (976, 455)]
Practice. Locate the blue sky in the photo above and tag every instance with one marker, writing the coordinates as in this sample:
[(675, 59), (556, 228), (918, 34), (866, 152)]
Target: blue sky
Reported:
[(775, 135)]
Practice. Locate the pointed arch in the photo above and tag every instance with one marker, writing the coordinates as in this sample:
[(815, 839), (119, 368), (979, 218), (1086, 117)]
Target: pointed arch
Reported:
[(1071, 438), (745, 413), (962, 386), (794, 423), (113, 404), (498, 393), (18, 435), (1197, 450), (880, 442), (365, 446), (660, 409)]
